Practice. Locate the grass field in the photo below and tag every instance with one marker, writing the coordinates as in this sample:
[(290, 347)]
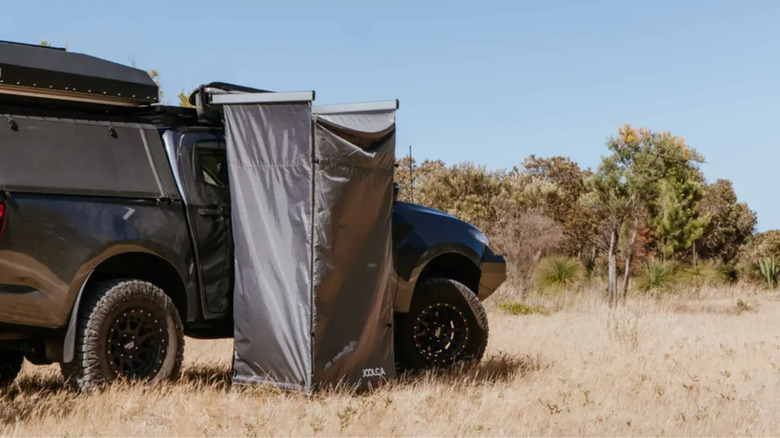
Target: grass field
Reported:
[(704, 366)]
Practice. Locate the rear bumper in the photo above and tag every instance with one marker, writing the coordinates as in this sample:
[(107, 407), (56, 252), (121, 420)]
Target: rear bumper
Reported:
[(493, 275)]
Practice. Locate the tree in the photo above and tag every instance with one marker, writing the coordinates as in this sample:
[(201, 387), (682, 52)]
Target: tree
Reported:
[(613, 194), (463, 190), (627, 181), (580, 224), (409, 175), (155, 75), (675, 218), (45, 43), (731, 222), (522, 230), (184, 99)]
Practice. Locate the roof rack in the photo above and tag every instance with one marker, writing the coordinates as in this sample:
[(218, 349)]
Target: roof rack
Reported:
[(49, 74)]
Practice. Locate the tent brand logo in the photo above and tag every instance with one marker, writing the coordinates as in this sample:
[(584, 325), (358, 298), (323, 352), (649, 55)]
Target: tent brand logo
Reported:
[(373, 372)]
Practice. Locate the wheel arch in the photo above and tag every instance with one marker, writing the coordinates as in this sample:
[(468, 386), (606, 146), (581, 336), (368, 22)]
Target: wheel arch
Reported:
[(453, 265), (135, 265)]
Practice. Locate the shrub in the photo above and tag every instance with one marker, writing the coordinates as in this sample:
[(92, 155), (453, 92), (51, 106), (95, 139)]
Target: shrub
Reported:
[(524, 238), (516, 308), (759, 247), (728, 273), (703, 274), (558, 274), (658, 276)]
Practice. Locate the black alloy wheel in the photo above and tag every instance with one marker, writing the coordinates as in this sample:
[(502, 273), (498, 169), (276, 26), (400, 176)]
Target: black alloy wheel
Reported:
[(446, 325), (136, 344), (441, 333)]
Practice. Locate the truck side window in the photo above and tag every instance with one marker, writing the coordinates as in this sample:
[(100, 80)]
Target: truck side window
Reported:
[(212, 160)]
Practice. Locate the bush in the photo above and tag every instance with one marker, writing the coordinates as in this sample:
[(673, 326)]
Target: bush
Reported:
[(703, 274), (760, 247), (524, 238), (658, 276), (728, 273), (558, 274), (516, 308)]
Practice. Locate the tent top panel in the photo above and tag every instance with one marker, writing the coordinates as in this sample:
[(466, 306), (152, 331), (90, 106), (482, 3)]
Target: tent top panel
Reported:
[(345, 108), (43, 72), (250, 98), (238, 98)]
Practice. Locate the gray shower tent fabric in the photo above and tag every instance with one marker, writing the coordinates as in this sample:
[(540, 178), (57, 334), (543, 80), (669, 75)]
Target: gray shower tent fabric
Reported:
[(311, 206)]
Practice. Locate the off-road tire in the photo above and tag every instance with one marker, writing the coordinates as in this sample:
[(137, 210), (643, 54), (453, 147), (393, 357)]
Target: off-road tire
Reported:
[(10, 366), (436, 300), (112, 308)]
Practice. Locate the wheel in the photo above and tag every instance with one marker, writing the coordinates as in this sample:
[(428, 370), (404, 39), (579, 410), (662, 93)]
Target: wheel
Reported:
[(446, 324), (126, 329), (10, 366)]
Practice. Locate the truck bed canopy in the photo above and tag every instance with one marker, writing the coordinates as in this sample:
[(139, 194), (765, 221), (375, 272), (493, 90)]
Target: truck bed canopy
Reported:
[(83, 157)]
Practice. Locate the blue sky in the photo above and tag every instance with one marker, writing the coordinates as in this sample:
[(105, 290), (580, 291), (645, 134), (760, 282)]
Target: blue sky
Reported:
[(488, 82)]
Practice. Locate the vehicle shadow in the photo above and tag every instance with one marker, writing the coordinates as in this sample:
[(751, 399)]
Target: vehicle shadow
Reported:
[(31, 395), (493, 369), (207, 375)]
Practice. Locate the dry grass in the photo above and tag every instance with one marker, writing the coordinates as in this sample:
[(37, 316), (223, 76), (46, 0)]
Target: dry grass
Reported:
[(675, 366)]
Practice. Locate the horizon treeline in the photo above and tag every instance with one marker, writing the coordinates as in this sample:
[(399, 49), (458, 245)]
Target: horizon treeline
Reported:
[(647, 206)]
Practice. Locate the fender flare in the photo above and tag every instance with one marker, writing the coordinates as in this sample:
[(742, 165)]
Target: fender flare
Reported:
[(69, 343), (405, 287)]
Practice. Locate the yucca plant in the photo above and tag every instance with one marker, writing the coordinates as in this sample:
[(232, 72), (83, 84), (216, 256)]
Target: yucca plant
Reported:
[(729, 274), (769, 271), (558, 274), (657, 276)]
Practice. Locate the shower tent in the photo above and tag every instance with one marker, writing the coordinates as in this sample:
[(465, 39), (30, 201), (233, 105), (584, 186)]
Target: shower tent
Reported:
[(311, 191)]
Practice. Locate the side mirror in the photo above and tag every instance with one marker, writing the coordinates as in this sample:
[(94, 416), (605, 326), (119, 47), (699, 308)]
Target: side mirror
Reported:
[(396, 190)]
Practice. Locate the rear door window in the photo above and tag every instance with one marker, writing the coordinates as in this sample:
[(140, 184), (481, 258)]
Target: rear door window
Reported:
[(211, 158)]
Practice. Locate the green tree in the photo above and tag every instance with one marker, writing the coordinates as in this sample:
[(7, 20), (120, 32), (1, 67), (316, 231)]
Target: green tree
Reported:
[(675, 218), (627, 181), (731, 222)]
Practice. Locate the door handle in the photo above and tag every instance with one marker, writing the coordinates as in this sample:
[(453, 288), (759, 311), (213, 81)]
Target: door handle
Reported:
[(211, 211)]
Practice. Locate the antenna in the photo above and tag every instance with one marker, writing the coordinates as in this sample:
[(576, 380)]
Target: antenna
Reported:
[(411, 176)]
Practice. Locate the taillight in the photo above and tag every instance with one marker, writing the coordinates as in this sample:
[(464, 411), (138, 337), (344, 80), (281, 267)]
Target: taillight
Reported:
[(3, 210)]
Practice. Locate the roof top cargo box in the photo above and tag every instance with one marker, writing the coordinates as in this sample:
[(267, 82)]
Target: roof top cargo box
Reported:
[(29, 71)]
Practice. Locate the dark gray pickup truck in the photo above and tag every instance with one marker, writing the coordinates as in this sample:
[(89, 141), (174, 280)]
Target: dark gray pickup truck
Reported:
[(115, 232)]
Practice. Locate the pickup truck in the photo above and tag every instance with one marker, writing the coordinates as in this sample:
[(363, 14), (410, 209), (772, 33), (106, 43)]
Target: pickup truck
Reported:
[(115, 243)]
